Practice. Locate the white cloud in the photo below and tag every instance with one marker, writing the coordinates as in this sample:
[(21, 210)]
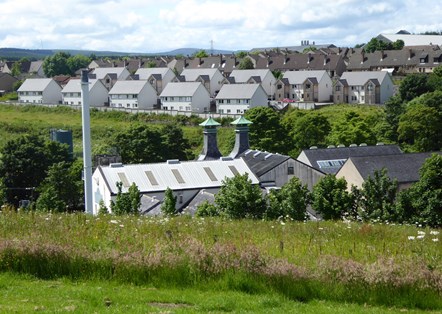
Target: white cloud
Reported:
[(153, 26)]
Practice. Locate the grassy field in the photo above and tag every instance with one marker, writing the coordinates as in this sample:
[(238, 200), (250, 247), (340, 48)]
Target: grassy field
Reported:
[(18, 120), (339, 263)]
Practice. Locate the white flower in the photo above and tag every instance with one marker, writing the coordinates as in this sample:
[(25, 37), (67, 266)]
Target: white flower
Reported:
[(282, 223), (411, 237), (434, 232), (435, 239), (420, 237), (121, 226), (113, 222), (421, 233)]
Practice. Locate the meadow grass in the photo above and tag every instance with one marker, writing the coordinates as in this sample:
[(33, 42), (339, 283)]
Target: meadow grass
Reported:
[(333, 261)]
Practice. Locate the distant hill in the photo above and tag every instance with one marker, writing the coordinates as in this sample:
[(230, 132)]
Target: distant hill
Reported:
[(37, 54)]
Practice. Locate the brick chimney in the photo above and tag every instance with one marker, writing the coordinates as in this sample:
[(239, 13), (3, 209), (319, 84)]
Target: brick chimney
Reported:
[(210, 148), (241, 136)]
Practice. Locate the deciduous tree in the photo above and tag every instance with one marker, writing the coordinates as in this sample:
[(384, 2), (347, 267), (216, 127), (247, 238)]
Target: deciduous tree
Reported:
[(290, 201), (239, 198), (331, 198)]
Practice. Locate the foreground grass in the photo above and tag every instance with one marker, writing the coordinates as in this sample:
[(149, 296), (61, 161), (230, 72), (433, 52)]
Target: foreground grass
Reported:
[(332, 261), (25, 294)]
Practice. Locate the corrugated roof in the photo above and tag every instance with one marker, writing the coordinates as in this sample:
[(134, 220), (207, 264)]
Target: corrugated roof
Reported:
[(360, 78), (298, 77), (237, 91), (35, 84), (128, 87), (176, 175), (180, 89), (415, 40), (242, 76)]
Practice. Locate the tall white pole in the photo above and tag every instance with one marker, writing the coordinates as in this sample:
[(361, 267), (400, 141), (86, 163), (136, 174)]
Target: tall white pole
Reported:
[(87, 159)]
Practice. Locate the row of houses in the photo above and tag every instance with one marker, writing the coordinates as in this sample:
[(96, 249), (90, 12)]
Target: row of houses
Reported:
[(194, 182), (207, 90)]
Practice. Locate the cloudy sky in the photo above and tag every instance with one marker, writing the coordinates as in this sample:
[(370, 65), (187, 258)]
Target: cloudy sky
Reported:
[(163, 25)]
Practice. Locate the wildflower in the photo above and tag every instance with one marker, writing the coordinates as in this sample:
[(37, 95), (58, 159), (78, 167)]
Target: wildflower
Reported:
[(411, 237), (282, 223), (121, 226), (320, 228), (420, 237), (435, 240), (434, 232), (421, 232), (113, 222)]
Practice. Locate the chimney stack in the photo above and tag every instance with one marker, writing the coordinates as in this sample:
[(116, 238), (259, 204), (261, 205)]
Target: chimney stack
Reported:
[(210, 148), (241, 136)]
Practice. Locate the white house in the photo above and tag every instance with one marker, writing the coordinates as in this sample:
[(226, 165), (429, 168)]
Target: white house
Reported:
[(210, 78), (98, 93), (185, 96), (39, 91), (133, 94), (309, 86), (238, 98), (186, 179), (365, 87), (265, 77), (157, 77)]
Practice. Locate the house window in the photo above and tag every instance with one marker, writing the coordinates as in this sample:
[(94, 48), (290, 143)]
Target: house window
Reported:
[(337, 88), (238, 110), (307, 86), (290, 170), (228, 110), (354, 98), (370, 87), (279, 86)]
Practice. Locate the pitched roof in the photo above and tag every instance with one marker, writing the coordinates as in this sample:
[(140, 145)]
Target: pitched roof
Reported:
[(237, 91), (403, 167), (35, 84), (298, 77), (361, 78), (242, 76), (128, 87), (262, 162), (193, 74), (102, 72), (74, 86), (180, 89), (145, 73), (330, 160), (174, 174)]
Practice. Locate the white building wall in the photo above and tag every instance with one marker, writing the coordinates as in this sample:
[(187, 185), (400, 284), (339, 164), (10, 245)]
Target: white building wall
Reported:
[(52, 93), (147, 97), (386, 89), (325, 88)]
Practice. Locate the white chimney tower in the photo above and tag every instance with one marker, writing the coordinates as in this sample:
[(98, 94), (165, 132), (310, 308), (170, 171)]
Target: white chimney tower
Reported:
[(87, 159)]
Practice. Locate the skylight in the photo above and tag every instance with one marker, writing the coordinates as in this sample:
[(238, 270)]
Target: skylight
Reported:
[(178, 176)]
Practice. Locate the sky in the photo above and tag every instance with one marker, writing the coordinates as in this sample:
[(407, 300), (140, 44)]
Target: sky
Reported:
[(151, 26)]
